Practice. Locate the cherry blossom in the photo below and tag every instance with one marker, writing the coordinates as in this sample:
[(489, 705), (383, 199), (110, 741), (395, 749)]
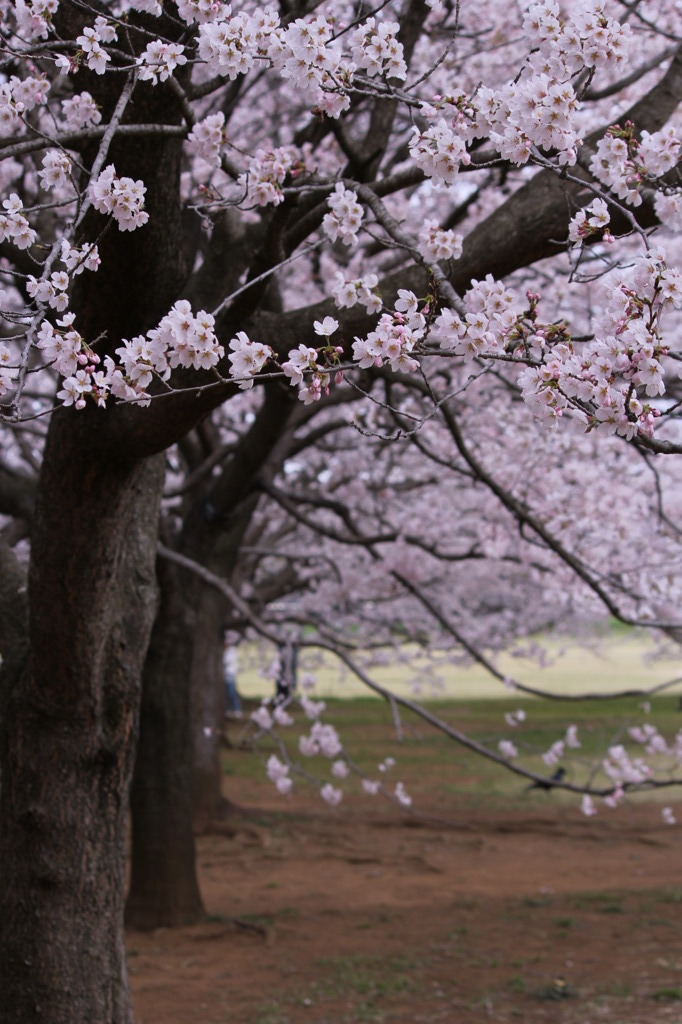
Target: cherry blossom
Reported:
[(123, 198), (346, 215), (331, 795), (159, 61)]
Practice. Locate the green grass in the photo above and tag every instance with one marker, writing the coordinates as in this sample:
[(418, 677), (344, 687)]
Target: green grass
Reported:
[(667, 994), (372, 977), (428, 759)]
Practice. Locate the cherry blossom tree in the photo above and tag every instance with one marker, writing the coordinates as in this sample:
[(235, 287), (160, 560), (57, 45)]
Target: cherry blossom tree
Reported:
[(204, 198)]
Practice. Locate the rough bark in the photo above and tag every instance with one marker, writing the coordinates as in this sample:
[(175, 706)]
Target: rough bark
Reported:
[(207, 708), (175, 756), (163, 883), (70, 726), (71, 718)]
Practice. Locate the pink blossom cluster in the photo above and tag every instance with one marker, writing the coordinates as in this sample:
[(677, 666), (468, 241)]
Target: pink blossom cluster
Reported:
[(62, 348), (207, 138), (202, 11), (312, 708), (536, 111), (401, 795), (668, 206), (13, 223), (609, 377), (184, 338), (76, 259), (507, 749), (152, 7), (345, 219), (621, 768), (281, 716), (571, 738), (439, 152), (52, 291), (305, 55), (80, 111), (375, 49), (360, 290), (577, 37), (331, 795), (7, 370), (593, 220), (159, 60), (395, 336), (650, 737), (34, 17), (554, 754), (247, 358), (322, 739), (587, 806), (539, 108), (303, 369), (230, 46), (436, 243), (626, 164), (491, 312), (278, 772), (301, 361), (17, 97), (262, 717), (122, 198), (56, 169), (90, 42), (266, 172), (181, 339), (67, 351)]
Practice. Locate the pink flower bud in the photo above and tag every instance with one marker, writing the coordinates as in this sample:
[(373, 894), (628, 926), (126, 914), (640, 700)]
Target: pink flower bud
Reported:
[(82, 358)]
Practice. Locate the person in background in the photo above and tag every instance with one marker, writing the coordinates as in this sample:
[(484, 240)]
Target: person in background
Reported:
[(286, 677), (233, 704)]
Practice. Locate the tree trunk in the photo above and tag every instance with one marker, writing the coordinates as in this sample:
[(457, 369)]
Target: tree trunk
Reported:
[(69, 732), (163, 885), (183, 692), (207, 710), (71, 718)]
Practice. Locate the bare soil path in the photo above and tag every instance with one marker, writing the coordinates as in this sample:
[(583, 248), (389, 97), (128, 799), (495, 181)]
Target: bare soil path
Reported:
[(365, 914)]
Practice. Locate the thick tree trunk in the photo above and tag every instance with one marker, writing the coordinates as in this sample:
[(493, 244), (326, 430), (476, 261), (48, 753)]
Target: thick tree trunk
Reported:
[(207, 709), (71, 718), (163, 885), (69, 732), (183, 693)]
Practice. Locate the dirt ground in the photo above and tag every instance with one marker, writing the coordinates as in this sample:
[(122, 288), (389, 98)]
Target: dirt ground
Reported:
[(365, 913)]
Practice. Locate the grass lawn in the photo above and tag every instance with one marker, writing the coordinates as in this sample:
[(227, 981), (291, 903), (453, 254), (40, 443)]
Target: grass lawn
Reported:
[(429, 762)]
